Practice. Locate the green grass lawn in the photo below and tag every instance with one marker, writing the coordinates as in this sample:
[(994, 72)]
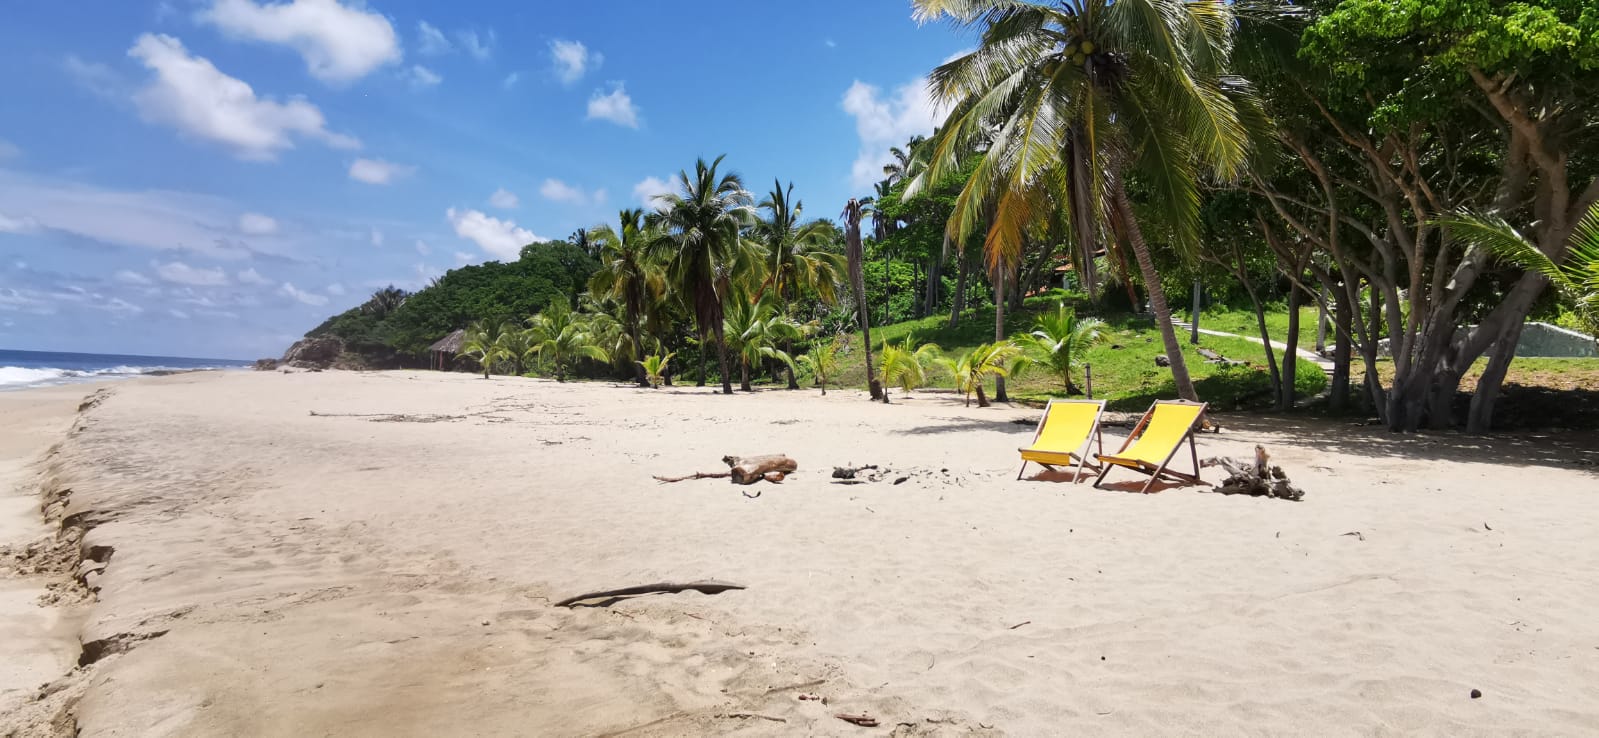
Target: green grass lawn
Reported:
[(1124, 366)]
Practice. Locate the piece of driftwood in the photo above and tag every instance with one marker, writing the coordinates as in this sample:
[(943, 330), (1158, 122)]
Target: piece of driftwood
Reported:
[(864, 720), (1211, 357), (1258, 477), (695, 475), (752, 469), (849, 472), (755, 715), (708, 586)]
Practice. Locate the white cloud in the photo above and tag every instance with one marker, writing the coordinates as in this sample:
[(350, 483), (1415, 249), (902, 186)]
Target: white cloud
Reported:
[(378, 171), (251, 276), (9, 150), (886, 120), (127, 276), (573, 60), (462, 258), (256, 224), (430, 40), (310, 298), (649, 190), (420, 77), (335, 289), (17, 224), (192, 95), (511, 80), (340, 43), (96, 78), (557, 191), (116, 305), (176, 313), (502, 239), (377, 237), (480, 47), (178, 272), (423, 248), (504, 199), (615, 107)]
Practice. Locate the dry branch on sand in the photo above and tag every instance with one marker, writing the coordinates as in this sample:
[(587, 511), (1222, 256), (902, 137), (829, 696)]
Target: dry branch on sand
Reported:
[(772, 468), (1255, 477), (708, 586)]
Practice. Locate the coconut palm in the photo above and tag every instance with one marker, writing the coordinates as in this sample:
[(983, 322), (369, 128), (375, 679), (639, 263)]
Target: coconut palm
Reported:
[(1077, 96), (482, 342), (629, 274), (905, 365), (1575, 277), (655, 366), (385, 301), (857, 277), (821, 361), (704, 224), (563, 337), (754, 331), (513, 344), (797, 255), (971, 368), (1059, 339)]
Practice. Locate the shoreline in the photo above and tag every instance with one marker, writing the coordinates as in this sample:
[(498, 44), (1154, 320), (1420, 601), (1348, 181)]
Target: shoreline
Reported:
[(377, 553)]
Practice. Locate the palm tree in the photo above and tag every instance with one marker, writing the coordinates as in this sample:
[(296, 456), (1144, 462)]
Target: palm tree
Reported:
[(482, 342), (821, 361), (905, 365), (1079, 95), (1575, 277), (629, 274), (583, 239), (857, 278), (562, 337), (754, 332), (797, 255), (385, 301), (513, 345), (704, 223), (654, 367), (1059, 338), (970, 368)]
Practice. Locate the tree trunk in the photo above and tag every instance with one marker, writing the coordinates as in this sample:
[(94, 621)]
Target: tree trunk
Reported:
[(721, 360), (1479, 419), (935, 277), (1193, 327), (1343, 340), (1157, 296), (857, 276), (1083, 216), (999, 334), (704, 339), (638, 351), (1321, 321), (959, 302), (1286, 396), (982, 398), (1265, 334)]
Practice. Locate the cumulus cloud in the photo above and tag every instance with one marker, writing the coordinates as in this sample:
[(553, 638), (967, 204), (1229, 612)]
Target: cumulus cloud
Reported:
[(614, 106), (430, 40), (178, 272), (193, 96), (256, 224), (502, 239), (555, 190), (127, 276), (884, 120), (420, 77), (378, 171), (335, 289), (480, 47), (573, 60), (97, 78), (251, 276), (650, 189), (504, 199), (17, 224), (310, 298), (340, 43)]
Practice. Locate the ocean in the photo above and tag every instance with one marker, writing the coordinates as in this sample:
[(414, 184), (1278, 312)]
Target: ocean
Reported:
[(21, 369)]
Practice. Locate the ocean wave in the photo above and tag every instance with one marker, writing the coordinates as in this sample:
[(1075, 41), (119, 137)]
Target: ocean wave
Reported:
[(16, 377)]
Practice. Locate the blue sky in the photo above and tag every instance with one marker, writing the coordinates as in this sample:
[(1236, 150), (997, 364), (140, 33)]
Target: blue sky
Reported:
[(214, 177)]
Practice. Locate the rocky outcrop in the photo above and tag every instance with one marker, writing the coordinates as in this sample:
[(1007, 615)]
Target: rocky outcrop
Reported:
[(266, 365), (313, 353)]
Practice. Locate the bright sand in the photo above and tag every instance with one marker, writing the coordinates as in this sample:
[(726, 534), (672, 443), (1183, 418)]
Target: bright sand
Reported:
[(281, 573)]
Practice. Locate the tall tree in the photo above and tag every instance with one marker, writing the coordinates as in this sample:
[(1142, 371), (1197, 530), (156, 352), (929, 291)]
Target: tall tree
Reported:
[(1135, 88), (629, 274), (797, 254), (857, 277), (705, 223)]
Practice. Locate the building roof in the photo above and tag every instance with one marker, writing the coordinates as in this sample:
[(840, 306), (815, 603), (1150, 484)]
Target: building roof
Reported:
[(451, 343)]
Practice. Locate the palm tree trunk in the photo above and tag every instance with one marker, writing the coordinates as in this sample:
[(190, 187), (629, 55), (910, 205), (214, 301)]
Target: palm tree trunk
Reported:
[(959, 302), (1083, 218), (638, 351), (703, 340), (982, 398), (857, 277), (744, 376), (999, 334), (1157, 296), (1291, 354), (935, 285), (721, 358)]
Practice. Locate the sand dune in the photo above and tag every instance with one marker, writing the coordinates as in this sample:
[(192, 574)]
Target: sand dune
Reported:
[(386, 567)]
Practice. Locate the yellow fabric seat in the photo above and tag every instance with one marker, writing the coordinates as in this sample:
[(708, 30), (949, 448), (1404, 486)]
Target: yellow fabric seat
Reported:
[(1063, 434), (1156, 439)]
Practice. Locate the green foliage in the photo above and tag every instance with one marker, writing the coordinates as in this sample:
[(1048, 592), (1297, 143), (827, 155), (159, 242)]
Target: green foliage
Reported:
[(1575, 278), (562, 337), (484, 343), (821, 362), (1059, 340), (905, 364), (757, 331), (655, 366)]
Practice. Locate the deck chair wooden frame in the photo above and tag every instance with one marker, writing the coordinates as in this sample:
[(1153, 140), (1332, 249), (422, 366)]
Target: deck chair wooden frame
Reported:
[(1160, 471), (1081, 460)]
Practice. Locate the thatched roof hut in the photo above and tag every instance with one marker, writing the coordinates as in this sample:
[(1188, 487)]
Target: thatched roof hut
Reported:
[(446, 348)]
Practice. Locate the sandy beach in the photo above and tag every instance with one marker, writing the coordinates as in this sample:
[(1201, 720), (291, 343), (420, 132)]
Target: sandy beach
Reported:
[(377, 554)]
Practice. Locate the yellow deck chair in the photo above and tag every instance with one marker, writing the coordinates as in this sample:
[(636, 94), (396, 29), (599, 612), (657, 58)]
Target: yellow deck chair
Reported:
[(1155, 440), (1063, 435)]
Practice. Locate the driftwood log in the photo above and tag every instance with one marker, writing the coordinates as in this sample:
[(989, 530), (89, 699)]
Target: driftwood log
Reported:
[(772, 468), (1255, 477), (709, 586)]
